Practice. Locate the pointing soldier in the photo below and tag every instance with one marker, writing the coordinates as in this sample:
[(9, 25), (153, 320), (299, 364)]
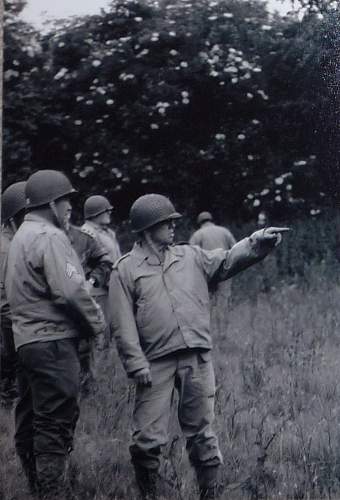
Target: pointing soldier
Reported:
[(13, 210), (50, 308), (159, 302)]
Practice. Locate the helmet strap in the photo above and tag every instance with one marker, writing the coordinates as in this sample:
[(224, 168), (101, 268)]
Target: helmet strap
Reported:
[(159, 252), (56, 215), (13, 225)]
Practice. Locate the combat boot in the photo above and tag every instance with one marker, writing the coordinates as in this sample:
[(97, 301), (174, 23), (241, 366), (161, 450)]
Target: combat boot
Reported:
[(147, 480), (208, 483), (28, 465), (51, 472)]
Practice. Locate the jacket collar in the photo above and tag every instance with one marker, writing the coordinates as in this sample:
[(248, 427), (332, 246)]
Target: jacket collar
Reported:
[(34, 217), (142, 253)]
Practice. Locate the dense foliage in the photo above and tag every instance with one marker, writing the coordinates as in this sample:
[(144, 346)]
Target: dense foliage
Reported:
[(217, 103)]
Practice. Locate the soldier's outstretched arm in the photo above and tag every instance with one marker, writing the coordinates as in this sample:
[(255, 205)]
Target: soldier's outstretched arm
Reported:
[(250, 250), (68, 287)]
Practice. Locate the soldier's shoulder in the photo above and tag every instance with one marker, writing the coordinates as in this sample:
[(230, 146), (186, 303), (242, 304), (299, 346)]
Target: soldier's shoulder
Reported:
[(122, 260), (124, 257), (88, 230)]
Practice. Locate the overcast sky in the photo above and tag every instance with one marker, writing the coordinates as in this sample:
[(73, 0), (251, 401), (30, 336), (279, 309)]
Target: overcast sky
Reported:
[(38, 10)]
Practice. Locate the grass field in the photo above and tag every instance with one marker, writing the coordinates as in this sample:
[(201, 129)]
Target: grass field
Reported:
[(277, 360)]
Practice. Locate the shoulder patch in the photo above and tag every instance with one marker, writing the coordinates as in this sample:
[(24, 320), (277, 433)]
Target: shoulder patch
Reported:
[(71, 271), (86, 229)]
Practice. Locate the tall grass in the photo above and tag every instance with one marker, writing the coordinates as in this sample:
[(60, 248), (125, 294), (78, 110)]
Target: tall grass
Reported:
[(277, 360)]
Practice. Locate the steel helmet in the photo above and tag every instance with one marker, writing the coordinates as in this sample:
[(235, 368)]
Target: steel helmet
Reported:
[(151, 209), (96, 205), (46, 186), (204, 217), (13, 200)]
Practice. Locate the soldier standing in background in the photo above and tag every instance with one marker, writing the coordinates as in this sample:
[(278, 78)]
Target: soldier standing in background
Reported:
[(50, 309), (13, 211), (160, 310), (210, 236), (97, 266), (97, 215)]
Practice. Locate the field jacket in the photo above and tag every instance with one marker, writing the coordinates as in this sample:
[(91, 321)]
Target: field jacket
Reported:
[(45, 286), (94, 258), (157, 309), (105, 236)]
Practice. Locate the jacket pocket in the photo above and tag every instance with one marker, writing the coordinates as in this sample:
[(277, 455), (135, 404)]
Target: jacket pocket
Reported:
[(204, 356)]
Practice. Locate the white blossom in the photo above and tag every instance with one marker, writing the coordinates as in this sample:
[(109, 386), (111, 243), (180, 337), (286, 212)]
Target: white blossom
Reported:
[(220, 137), (241, 137), (96, 63), (61, 73), (173, 52), (154, 126), (279, 180), (263, 95), (78, 122), (256, 203)]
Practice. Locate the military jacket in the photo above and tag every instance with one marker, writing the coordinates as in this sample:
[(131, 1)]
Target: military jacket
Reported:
[(45, 286)]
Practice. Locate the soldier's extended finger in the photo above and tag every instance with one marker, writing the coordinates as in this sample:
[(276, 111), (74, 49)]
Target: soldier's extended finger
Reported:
[(279, 229)]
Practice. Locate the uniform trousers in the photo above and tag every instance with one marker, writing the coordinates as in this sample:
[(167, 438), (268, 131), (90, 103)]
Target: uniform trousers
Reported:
[(191, 374)]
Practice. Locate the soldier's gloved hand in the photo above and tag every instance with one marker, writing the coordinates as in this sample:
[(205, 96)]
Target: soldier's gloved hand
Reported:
[(143, 377), (274, 233)]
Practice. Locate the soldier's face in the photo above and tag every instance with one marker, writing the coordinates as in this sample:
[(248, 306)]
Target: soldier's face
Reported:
[(104, 218), (64, 210), (163, 233)]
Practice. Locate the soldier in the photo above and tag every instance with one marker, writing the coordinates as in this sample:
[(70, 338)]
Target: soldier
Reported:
[(50, 308), (97, 266), (159, 302), (13, 210), (210, 236), (97, 214)]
